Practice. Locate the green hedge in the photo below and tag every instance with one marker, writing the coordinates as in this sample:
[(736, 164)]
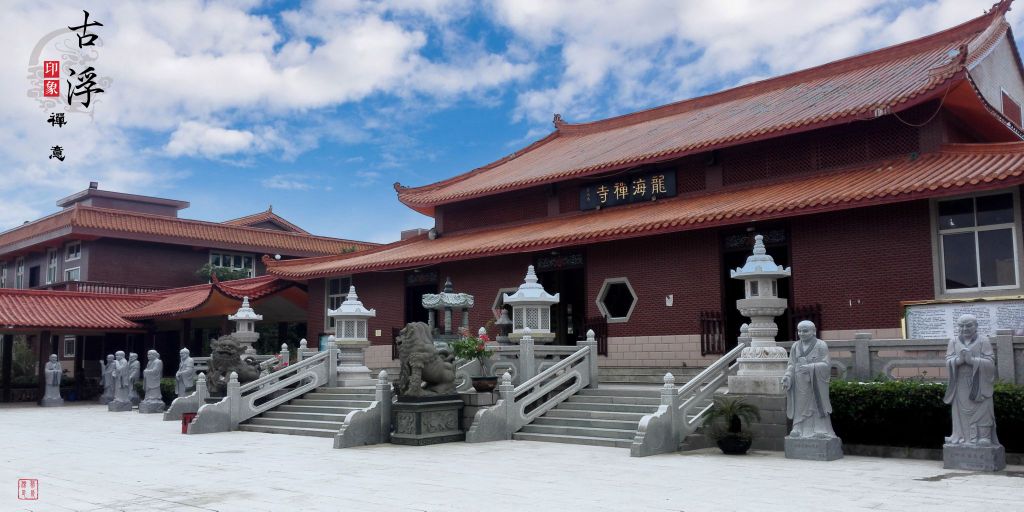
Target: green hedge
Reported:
[(911, 413), (166, 389)]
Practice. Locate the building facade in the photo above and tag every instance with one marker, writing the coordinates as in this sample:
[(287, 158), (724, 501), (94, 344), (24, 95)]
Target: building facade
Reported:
[(882, 179)]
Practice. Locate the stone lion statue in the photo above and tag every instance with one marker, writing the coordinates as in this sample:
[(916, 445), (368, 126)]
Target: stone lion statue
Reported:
[(425, 370), (225, 358)]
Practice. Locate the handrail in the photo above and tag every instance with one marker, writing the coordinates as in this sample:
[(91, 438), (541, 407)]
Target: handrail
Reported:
[(280, 373), (725, 360), (576, 356)]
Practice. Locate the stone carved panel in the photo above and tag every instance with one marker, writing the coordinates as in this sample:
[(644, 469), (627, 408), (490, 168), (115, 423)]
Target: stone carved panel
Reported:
[(405, 423), (439, 421)]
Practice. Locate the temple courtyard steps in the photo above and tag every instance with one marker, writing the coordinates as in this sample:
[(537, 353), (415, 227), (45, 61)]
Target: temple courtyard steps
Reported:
[(645, 375), (319, 413), (599, 417)]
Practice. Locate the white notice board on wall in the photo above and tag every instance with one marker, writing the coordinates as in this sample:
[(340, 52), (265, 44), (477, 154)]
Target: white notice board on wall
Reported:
[(938, 320)]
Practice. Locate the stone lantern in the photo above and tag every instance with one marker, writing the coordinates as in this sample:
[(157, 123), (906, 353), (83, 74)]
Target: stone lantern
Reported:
[(443, 309), (245, 326), (763, 363), (531, 309), (504, 325), (351, 337)]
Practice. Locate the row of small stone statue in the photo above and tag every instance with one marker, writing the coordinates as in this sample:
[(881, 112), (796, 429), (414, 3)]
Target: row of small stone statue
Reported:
[(118, 377)]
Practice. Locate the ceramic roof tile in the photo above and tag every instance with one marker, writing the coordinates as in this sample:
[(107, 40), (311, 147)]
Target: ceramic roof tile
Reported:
[(70, 310), (953, 170), (890, 79), (176, 301)]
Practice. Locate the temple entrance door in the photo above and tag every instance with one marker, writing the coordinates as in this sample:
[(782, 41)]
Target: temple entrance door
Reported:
[(414, 310), (736, 246), (568, 315)]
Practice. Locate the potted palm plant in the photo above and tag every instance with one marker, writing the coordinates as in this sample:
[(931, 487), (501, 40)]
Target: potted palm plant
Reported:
[(470, 347), (725, 421)]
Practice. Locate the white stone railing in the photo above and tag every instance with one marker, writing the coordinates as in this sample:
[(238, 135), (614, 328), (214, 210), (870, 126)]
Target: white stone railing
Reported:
[(681, 411), (519, 405), (864, 358), (244, 402), (522, 361), (371, 425)]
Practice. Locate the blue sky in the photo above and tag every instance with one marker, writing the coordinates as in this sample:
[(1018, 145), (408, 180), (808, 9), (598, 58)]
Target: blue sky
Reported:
[(318, 107)]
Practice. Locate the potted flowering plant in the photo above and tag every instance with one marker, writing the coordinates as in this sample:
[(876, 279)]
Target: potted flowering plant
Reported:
[(470, 347)]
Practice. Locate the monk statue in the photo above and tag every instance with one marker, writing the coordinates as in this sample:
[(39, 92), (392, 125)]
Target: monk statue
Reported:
[(107, 380), (184, 379), (972, 373), (806, 385), (122, 402), (54, 371), (134, 374), (153, 401)]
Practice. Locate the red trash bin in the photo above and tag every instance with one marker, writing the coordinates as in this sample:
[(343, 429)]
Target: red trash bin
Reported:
[(186, 418)]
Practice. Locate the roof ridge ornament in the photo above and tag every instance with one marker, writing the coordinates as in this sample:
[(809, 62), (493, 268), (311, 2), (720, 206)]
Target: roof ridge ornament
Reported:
[(558, 122)]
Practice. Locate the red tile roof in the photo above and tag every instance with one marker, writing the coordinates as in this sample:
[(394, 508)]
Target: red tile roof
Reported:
[(177, 301), (954, 170), (887, 80), (125, 224), (24, 309), (267, 216)]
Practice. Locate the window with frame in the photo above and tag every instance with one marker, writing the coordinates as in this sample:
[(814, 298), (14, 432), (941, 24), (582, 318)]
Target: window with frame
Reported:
[(234, 261), (73, 274), (3, 275), (337, 291), (51, 266), (977, 243), (73, 251), (19, 273), (69, 345)]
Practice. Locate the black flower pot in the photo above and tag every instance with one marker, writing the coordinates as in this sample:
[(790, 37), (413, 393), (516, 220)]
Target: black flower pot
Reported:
[(733, 444), (485, 384)]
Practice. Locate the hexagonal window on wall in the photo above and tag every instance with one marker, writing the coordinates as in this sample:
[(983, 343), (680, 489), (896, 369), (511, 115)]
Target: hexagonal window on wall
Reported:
[(616, 300)]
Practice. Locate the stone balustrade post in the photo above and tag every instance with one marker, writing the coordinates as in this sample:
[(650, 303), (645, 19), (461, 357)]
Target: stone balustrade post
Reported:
[(234, 397), (527, 360), (670, 399), (862, 356), (332, 365), (383, 394), (300, 352), (1003, 341), (508, 395), (202, 392), (591, 341), (285, 353)]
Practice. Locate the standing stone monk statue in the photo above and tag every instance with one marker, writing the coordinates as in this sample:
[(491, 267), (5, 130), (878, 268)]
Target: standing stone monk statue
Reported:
[(122, 402), (806, 385), (972, 373), (184, 379), (107, 379), (153, 401), (54, 371), (134, 373)]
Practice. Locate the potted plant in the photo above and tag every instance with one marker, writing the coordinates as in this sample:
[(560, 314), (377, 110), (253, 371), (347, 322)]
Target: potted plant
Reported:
[(470, 347), (724, 424)]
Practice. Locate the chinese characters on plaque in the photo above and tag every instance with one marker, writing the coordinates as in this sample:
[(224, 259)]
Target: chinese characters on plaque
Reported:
[(81, 84), (628, 189)]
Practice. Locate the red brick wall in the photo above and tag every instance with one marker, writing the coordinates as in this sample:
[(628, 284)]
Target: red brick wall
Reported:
[(317, 311), (385, 292), (685, 265), (483, 279), (129, 262), (491, 211), (874, 257)]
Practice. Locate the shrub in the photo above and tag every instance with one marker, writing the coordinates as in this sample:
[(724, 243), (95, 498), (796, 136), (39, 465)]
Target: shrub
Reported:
[(166, 389), (911, 413)]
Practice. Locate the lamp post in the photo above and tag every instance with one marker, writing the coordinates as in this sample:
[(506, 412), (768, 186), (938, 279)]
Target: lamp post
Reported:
[(531, 309), (351, 338), (245, 326), (763, 363)]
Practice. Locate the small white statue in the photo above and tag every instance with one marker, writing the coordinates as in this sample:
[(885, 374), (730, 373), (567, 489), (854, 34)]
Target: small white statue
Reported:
[(184, 379), (153, 401), (972, 373), (54, 371), (806, 385), (134, 374), (121, 380), (107, 379)]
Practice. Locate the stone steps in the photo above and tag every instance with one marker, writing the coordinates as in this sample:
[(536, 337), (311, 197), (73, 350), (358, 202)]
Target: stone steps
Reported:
[(613, 399), (591, 441), (596, 417), (583, 431), (584, 423), (599, 406), (644, 375), (319, 413)]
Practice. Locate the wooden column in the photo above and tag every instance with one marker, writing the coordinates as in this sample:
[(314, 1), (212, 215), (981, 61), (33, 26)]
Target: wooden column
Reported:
[(79, 366), (185, 340), (45, 344), (7, 342)]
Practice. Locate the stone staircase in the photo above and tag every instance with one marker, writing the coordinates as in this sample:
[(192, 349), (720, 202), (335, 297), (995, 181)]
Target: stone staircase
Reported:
[(645, 375), (598, 417), (319, 413)]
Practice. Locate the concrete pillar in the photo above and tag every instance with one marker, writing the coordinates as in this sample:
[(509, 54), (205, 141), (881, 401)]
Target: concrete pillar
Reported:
[(7, 345), (79, 366), (185, 340), (43, 350)]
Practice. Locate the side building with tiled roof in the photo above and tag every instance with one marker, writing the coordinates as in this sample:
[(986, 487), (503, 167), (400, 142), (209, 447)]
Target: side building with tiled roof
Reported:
[(883, 179)]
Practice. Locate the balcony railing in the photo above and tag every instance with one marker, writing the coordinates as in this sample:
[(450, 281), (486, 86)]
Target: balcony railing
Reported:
[(100, 287)]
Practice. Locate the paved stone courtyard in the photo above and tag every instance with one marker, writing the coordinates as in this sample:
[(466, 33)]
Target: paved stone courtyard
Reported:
[(88, 459)]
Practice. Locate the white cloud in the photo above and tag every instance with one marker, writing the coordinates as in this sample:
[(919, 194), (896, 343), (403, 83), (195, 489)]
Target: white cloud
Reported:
[(287, 182), (198, 139)]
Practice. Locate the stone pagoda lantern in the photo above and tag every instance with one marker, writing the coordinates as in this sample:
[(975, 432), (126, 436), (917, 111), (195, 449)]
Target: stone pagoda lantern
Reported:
[(531, 309), (504, 325), (245, 326), (351, 337), (763, 363), (443, 309)]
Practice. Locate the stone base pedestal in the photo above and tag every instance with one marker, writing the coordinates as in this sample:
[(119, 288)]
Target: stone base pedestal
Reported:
[(424, 421), (756, 384), (809, 448), (773, 426), (973, 457), (474, 402), (104, 400), (49, 401), (119, 406), (355, 377), (151, 406)]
